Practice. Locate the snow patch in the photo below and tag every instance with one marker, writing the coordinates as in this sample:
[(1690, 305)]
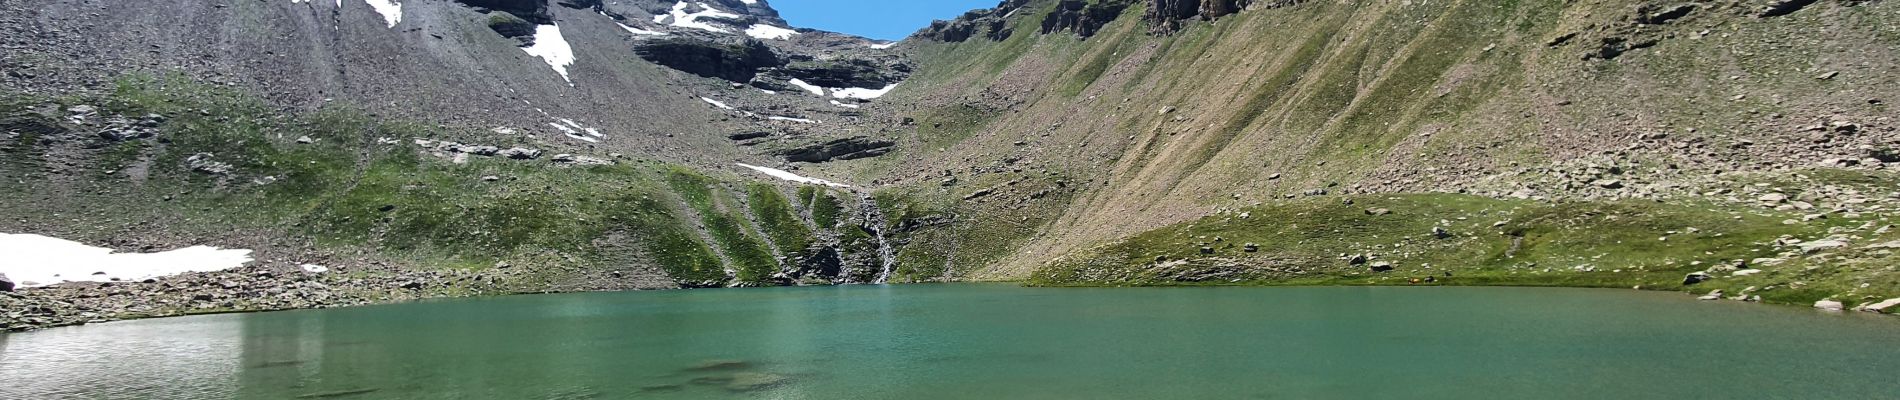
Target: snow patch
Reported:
[(861, 93), (684, 19), (782, 174), (553, 48), (792, 119), (882, 46), (763, 31), (314, 269), (814, 89), (715, 103), (575, 130), (842, 104), (390, 9), (638, 31), (34, 261)]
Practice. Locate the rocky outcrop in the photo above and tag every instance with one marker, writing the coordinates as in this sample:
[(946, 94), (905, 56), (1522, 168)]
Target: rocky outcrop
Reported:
[(511, 26), (1170, 15), (841, 149), (6, 285), (1082, 17), (992, 24), (847, 73), (737, 62), (535, 11)]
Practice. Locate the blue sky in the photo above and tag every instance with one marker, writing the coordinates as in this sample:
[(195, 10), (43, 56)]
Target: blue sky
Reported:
[(876, 19)]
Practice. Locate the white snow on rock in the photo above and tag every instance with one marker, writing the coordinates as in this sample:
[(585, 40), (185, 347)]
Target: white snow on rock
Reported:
[(782, 174), (684, 19), (792, 119), (390, 9), (882, 46), (638, 31), (861, 93), (763, 31), (553, 48), (575, 130), (314, 269), (814, 89), (715, 103), (34, 261), (842, 104)]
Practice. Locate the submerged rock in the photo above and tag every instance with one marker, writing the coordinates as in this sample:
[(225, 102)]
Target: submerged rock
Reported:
[(752, 381), (719, 365)]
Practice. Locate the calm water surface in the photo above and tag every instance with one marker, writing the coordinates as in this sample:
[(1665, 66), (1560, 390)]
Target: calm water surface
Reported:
[(982, 342)]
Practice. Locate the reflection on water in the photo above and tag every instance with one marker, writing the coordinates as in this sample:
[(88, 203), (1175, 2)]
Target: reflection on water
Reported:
[(980, 341), (192, 357)]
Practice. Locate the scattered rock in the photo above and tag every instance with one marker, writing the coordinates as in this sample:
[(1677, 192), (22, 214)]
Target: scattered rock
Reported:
[(1251, 247), (203, 163), (1440, 232), (519, 153), (1829, 305), (1381, 266), (1377, 211), (1821, 245)]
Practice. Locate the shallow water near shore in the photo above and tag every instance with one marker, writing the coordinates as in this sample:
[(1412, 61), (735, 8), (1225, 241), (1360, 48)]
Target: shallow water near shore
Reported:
[(982, 341)]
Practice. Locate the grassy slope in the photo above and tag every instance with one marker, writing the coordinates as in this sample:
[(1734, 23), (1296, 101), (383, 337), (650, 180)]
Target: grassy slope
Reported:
[(1352, 96), (1493, 242), (348, 191)]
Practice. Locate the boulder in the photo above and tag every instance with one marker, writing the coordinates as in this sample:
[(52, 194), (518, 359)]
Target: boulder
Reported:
[(1440, 232), (1381, 266), (6, 285), (1377, 211), (1829, 305), (1821, 245), (1696, 277), (520, 153), (1251, 247), (203, 163), (1881, 307)]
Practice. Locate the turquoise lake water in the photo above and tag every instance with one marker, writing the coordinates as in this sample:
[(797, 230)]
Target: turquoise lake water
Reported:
[(972, 341)]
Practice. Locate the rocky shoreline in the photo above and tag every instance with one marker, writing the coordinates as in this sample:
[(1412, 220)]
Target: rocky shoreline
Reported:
[(263, 288)]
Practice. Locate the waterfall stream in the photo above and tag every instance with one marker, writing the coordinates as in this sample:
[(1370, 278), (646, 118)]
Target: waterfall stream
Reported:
[(874, 222)]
